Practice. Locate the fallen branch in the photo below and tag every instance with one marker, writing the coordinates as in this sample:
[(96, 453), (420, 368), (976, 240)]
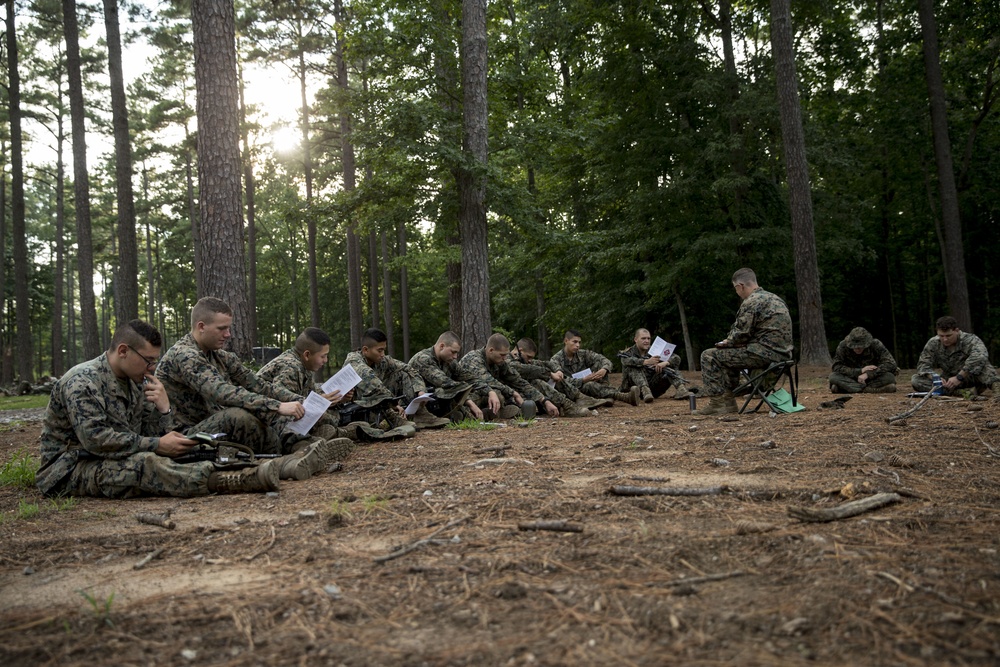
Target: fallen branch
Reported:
[(992, 451), (846, 510), (624, 490), (496, 451), (556, 525), (161, 520), (413, 546), (496, 461), (706, 578), (264, 550), (148, 557), (903, 415)]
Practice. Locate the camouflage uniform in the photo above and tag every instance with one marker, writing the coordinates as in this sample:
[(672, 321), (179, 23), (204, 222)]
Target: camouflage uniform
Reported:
[(386, 379), (636, 374), (586, 360), (99, 438), (449, 379), (761, 334), (968, 356), (215, 393), (847, 365), (563, 395), (286, 370), (501, 378)]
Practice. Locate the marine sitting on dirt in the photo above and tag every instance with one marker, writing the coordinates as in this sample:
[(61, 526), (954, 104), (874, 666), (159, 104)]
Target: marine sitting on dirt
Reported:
[(862, 364), (653, 375), (108, 432), (962, 358)]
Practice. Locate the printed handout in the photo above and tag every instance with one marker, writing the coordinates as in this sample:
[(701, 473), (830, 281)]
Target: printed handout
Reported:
[(662, 349), (345, 380), (315, 405)]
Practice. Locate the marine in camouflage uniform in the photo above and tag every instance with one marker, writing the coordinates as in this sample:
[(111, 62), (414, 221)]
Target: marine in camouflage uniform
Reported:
[(539, 373), (761, 335), (501, 377), (962, 358), (571, 359), (873, 364), (653, 380), (457, 391), (107, 435)]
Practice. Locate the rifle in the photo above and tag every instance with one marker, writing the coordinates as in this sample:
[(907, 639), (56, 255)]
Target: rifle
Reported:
[(212, 451), (372, 414)]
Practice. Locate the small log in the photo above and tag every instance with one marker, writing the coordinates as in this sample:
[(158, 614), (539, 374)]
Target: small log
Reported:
[(624, 490), (846, 510), (556, 525), (148, 557), (707, 578), (413, 546), (903, 415), (161, 520)]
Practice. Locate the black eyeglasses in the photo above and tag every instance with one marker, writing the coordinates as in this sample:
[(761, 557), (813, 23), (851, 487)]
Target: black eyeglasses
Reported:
[(150, 363)]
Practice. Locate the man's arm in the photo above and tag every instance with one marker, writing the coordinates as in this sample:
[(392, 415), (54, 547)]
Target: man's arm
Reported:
[(928, 357), (104, 430), (840, 364), (978, 358), (886, 362)]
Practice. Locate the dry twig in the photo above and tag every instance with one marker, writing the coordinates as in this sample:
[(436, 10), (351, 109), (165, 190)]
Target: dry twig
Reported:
[(402, 551), (844, 511), (991, 451), (624, 490), (264, 550), (903, 415), (148, 557), (161, 520), (555, 525)]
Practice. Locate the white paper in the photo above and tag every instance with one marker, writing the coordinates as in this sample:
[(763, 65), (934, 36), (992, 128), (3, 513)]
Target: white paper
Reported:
[(414, 405), (662, 349), (579, 375), (552, 383), (345, 380), (315, 405)]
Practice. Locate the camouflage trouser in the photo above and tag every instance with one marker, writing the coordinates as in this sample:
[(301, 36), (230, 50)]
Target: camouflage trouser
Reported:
[(594, 389), (244, 428), (980, 382), (720, 368), (403, 381), (658, 382), (559, 399), (850, 385), (568, 390), (142, 474)]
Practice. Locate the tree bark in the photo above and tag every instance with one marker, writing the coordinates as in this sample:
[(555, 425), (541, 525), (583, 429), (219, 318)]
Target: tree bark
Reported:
[(373, 297), (812, 332), (387, 291), (58, 358), (953, 251), (307, 167), (127, 271), (81, 184), (689, 351), (6, 354), (404, 291), (219, 169), (151, 275), (249, 185), (476, 323)]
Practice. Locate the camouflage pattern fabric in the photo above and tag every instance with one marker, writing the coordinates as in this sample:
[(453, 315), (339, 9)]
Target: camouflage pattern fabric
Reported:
[(500, 378), (761, 334), (538, 373), (636, 374), (968, 355), (584, 360), (847, 367), (390, 377), (286, 370), (201, 384), (99, 436), (450, 375)]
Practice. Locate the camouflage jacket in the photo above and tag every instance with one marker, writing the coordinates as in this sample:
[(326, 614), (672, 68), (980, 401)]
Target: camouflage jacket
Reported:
[(446, 375), (583, 360), (373, 387), (92, 413), (849, 364), (501, 378), (631, 357), (202, 383), (287, 370), (763, 326), (534, 369), (968, 354)]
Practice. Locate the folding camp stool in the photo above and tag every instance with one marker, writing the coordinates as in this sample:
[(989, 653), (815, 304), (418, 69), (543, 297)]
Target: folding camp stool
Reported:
[(759, 383)]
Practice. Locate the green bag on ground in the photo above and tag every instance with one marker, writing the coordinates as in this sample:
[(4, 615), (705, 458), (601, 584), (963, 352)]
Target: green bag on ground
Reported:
[(781, 401)]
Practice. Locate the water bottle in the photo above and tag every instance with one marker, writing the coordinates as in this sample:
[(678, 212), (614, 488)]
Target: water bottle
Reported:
[(938, 389)]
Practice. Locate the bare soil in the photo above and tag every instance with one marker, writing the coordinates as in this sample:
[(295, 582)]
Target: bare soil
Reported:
[(651, 580)]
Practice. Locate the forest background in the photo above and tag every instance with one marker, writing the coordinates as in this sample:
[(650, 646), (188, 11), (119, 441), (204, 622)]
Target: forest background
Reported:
[(635, 160)]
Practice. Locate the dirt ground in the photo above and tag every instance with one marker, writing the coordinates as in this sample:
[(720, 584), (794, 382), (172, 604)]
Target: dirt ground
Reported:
[(717, 579)]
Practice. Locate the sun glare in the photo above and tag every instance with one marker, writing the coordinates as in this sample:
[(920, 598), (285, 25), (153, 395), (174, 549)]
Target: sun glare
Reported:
[(285, 139)]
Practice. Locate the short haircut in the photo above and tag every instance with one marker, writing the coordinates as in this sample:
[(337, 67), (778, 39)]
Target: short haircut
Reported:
[(449, 338), (207, 308), (372, 337), (136, 332), (571, 333), (498, 342), (312, 339), (744, 276), (527, 345), (637, 331), (946, 323)]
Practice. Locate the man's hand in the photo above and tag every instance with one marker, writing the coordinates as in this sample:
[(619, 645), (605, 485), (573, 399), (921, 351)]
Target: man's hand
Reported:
[(292, 409), (869, 368), (173, 444), (550, 409), (596, 375), (518, 399), (493, 402), (952, 383), (474, 409), (557, 376), (863, 378), (724, 343), (156, 394), (662, 365), (652, 361), (334, 397)]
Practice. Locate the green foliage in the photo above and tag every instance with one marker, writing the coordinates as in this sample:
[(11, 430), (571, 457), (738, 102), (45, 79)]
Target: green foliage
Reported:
[(471, 424), (23, 402), (19, 470), (26, 509), (100, 607)]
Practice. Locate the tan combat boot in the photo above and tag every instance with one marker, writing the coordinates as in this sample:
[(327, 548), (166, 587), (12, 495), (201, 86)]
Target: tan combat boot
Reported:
[(682, 392), (719, 405), (423, 418), (258, 479), (646, 394), (306, 462), (574, 410), (589, 402), (631, 396)]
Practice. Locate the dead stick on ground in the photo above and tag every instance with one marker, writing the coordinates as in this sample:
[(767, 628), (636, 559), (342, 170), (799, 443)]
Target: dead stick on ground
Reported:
[(161, 520), (992, 451), (148, 557), (846, 510), (622, 490), (706, 578), (904, 415), (556, 525), (269, 545), (402, 551)]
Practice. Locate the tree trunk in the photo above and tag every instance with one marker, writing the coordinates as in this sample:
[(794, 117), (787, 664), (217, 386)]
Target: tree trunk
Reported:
[(22, 302), (404, 291), (689, 351), (6, 355), (373, 298), (953, 251), (127, 271), (151, 276), (81, 184), (58, 358), (219, 169), (476, 324), (544, 348), (812, 332), (737, 155), (249, 184), (314, 315), (196, 254), (387, 291), (347, 160)]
